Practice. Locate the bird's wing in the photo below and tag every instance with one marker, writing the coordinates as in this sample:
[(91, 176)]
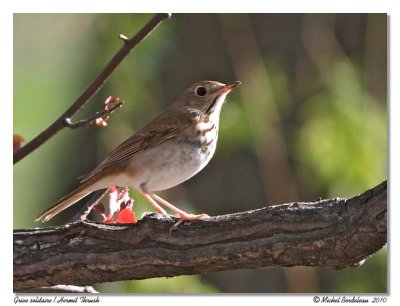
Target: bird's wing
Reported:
[(142, 140)]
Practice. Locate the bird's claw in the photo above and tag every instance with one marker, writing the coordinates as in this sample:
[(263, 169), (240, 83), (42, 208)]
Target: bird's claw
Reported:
[(191, 217)]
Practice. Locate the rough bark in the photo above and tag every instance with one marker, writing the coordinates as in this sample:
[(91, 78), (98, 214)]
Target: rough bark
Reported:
[(336, 233)]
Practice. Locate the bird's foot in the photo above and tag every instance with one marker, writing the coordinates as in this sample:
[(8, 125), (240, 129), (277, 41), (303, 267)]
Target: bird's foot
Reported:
[(186, 217), (190, 217)]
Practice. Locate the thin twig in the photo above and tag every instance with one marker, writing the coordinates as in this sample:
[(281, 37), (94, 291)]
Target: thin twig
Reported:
[(96, 84), (124, 38), (89, 121), (63, 289)]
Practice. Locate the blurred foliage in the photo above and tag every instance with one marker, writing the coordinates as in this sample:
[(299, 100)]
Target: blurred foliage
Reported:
[(342, 126), (308, 121), (369, 277)]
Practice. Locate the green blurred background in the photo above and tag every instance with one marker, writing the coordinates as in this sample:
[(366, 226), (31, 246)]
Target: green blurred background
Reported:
[(308, 121)]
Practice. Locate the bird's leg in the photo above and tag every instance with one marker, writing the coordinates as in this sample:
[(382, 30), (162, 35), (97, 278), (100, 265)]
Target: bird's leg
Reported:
[(144, 192), (183, 215)]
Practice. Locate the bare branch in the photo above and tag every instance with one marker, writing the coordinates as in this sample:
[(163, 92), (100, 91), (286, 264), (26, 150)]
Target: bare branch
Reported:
[(91, 121), (336, 233), (124, 38), (93, 87), (62, 289)]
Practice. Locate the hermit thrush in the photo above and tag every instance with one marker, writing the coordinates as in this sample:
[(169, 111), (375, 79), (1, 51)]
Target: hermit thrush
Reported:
[(169, 150)]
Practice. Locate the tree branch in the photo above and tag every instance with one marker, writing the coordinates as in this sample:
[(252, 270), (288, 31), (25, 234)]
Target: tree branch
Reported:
[(63, 289), (91, 121), (336, 233), (93, 87)]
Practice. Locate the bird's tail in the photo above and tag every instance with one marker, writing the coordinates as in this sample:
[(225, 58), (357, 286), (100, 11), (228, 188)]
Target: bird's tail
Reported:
[(65, 202)]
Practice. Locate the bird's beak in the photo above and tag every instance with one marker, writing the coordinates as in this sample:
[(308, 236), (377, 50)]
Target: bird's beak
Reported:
[(228, 87)]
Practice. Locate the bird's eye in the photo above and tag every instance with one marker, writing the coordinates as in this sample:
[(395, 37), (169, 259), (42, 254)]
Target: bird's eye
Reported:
[(201, 91)]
